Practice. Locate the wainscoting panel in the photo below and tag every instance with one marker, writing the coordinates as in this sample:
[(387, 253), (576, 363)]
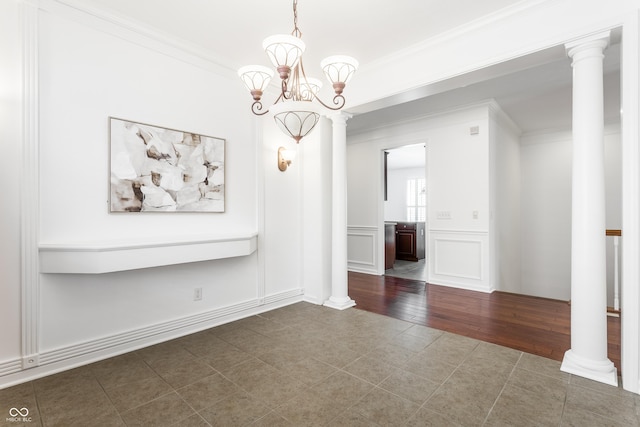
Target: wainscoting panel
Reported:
[(460, 259), (362, 252)]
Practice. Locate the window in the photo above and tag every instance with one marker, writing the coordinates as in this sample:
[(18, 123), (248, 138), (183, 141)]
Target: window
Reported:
[(416, 200)]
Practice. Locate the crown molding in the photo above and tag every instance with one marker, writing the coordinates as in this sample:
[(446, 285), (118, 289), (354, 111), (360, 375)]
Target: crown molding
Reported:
[(457, 32), (502, 117), (138, 33)]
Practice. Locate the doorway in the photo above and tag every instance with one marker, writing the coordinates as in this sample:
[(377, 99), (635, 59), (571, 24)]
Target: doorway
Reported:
[(405, 201)]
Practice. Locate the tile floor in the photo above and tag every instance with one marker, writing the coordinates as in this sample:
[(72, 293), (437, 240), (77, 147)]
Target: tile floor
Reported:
[(306, 365), (416, 270)]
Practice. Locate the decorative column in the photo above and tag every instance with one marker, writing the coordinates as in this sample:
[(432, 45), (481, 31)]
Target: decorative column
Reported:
[(588, 354), (339, 280)]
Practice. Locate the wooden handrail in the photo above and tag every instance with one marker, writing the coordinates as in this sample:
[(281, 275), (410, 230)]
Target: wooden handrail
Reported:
[(614, 232)]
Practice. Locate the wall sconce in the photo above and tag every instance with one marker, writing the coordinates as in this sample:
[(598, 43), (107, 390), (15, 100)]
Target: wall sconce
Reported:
[(284, 158)]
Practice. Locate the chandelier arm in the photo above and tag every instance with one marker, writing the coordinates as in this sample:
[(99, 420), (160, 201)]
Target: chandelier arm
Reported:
[(256, 108), (338, 101), (284, 92)]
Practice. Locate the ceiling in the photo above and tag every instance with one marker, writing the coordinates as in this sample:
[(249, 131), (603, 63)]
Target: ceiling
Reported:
[(408, 156), (537, 95), (366, 30)]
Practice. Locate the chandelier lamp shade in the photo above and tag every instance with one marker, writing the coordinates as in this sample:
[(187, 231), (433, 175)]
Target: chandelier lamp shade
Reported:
[(297, 108)]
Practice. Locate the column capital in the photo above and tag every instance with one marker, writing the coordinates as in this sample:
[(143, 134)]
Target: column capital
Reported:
[(599, 41), (339, 117)]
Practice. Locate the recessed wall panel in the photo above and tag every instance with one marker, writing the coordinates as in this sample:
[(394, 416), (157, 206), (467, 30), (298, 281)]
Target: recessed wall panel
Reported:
[(458, 258)]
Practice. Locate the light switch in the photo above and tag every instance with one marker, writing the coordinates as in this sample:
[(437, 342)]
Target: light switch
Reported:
[(443, 214)]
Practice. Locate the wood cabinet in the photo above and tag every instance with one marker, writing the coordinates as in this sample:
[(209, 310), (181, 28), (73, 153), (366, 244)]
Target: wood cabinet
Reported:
[(389, 244), (410, 241)]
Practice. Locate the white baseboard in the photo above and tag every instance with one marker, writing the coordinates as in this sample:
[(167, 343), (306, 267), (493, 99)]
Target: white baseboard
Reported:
[(9, 367), (462, 285), (363, 269), (65, 358)]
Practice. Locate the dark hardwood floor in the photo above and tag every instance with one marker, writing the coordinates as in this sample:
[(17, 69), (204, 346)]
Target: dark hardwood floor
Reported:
[(534, 325)]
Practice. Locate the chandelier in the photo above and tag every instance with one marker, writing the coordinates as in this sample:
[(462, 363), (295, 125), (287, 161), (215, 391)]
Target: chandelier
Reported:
[(294, 110)]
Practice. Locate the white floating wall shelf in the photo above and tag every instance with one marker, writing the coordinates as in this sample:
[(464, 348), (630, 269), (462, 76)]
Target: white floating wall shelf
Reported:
[(110, 256)]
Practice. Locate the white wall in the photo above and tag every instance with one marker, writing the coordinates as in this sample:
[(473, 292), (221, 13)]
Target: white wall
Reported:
[(282, 215), (505, 199), (88, 70), (457, 182), (315, 165), (546, 210), (395, 207), (10, 134), (365, 239), (458, 172), (85, 77)]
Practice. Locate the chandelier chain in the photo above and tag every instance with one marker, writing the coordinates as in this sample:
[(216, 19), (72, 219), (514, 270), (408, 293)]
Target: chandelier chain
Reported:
[(296, 31)]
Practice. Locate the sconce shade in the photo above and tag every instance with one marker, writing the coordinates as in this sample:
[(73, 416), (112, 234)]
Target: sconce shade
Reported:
[(256, 78), (285, 157), (296, 118), (339, 69), (284, 51), (288, 155)]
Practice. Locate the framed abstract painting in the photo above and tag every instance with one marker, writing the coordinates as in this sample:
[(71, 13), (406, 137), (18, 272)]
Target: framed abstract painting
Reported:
[(154, 169)]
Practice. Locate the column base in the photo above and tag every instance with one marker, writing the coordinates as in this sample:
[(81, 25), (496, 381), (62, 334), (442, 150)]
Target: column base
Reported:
[(339, 303), (602, 371)]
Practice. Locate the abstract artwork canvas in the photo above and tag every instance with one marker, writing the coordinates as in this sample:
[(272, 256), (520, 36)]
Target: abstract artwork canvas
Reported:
[(154, 169)]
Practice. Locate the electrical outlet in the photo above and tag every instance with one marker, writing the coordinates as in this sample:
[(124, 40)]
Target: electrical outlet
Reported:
[(197, 294)]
